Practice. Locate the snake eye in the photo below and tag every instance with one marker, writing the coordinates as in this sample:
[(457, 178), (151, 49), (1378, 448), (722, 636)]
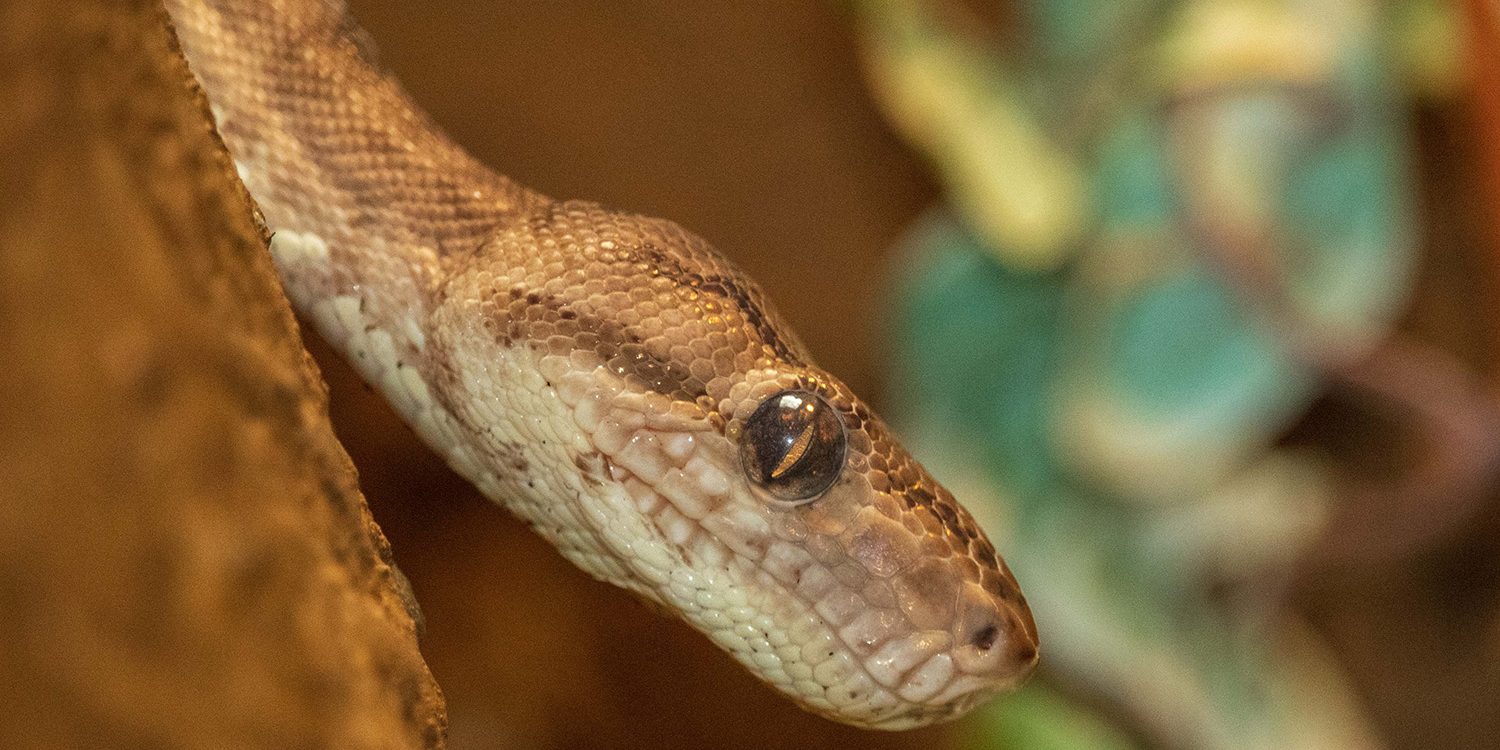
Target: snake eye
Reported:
[(793, 445)]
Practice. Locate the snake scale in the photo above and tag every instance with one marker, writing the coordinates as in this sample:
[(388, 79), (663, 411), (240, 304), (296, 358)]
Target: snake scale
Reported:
[(613, 381)]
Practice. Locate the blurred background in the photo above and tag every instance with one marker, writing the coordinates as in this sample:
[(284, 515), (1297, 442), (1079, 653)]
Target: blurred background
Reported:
[(1191, 302)]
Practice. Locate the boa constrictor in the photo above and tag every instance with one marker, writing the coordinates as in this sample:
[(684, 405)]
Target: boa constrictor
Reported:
[(613, 381)]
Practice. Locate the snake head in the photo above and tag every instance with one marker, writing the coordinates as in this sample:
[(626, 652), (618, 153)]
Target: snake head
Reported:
[(692, 453), (924, 619)]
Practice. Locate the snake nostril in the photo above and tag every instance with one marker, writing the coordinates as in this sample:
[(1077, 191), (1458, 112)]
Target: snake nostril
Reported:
[(985, 637)]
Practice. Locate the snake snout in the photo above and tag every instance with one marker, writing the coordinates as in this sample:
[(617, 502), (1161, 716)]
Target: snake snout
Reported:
[(995, 639)]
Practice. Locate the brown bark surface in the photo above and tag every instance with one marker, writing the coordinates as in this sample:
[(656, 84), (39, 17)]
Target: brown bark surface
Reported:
[(185, 557)]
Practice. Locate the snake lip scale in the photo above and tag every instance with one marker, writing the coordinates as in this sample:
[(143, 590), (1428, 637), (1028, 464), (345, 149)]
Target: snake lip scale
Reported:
[(611, 380)]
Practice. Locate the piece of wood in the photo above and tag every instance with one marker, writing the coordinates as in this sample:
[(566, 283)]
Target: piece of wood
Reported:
[(185, 557)]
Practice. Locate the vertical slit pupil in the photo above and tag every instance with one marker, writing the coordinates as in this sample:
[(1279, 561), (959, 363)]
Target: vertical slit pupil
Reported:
[(794, 452)]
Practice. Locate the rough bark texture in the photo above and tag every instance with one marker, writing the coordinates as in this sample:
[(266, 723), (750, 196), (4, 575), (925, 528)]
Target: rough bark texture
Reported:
[(185, 558)]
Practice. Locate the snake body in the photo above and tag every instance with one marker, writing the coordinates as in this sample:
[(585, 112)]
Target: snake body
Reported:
[(613, 381)]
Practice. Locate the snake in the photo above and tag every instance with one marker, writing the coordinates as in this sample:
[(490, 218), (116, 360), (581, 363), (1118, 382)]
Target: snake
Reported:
[(612, 380)]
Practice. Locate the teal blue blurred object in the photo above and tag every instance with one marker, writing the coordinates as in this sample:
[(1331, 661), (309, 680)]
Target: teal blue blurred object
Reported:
[(988, 333), (1168, 382), (1233, 195), (1163, 219), (1079, 39), (1207, 363), (1182, 369), (1132, 185), (981, 348), (1351, 197)]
